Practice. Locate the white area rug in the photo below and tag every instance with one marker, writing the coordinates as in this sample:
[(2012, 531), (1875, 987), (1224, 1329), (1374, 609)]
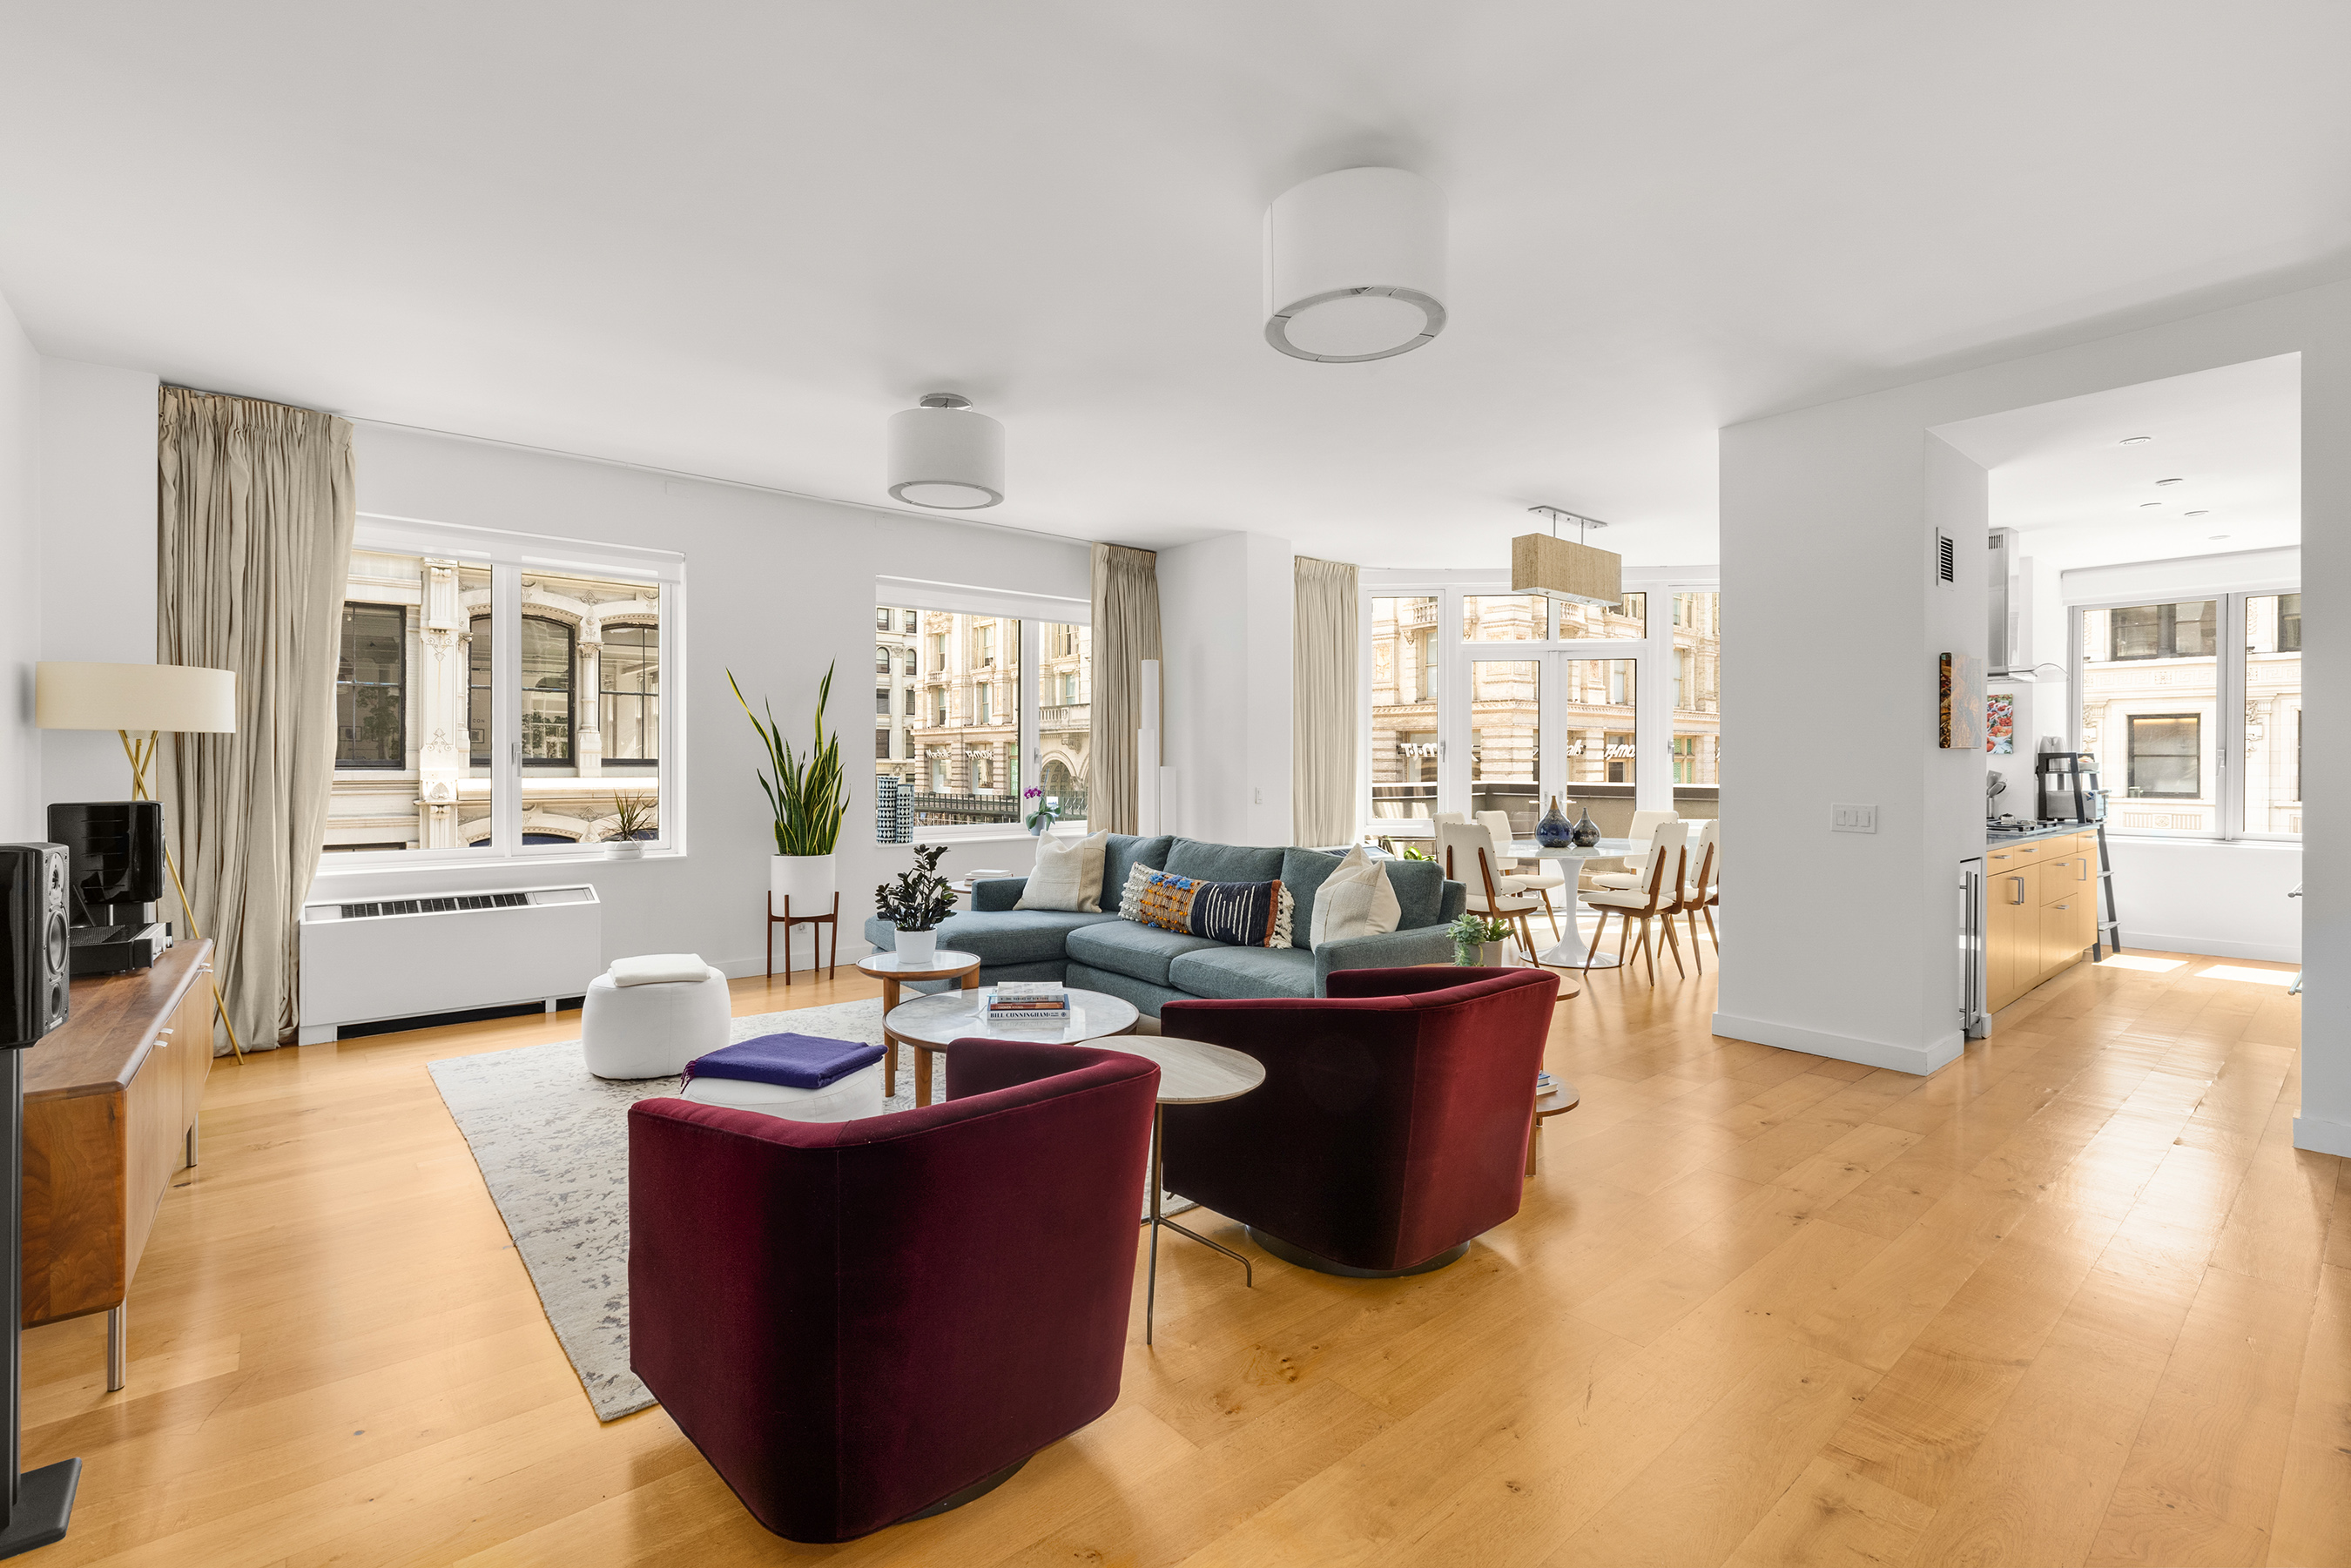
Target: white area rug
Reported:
[(552, 1141)]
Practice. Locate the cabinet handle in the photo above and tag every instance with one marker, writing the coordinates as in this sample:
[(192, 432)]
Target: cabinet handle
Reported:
[(2081, 871), (2020, 890)]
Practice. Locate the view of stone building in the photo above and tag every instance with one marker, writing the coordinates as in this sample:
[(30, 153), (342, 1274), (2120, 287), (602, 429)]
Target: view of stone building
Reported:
[(413, 697), (2150, 713), (1506, 745), (947, 719)]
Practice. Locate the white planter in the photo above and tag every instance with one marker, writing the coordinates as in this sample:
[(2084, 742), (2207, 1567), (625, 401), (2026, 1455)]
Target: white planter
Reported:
[(920, 948), (806, 880), (1496, 956), (624, 850)]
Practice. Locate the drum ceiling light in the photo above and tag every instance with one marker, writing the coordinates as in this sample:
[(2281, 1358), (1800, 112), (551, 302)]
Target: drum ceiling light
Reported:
[(1354, 266), (946, 456), (1566, 568)]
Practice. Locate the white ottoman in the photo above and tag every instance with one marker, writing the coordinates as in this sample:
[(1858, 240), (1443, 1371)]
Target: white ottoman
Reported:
[(651, 1031), (843, 1100)]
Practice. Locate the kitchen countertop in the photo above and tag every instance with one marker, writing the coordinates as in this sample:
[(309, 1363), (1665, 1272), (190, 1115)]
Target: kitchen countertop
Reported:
[(2060, 829)]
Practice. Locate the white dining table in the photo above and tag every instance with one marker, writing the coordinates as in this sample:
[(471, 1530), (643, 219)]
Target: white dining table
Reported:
[(1569, 954)]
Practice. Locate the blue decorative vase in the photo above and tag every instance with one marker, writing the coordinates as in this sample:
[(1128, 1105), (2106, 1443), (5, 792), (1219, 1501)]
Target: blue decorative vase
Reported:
[(1553, 832), (1586, 832)]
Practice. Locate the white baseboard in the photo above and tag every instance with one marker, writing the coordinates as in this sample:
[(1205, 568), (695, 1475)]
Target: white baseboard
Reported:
[(851, 949), (1918, 1059), (2321, 1137), (2267, 952)]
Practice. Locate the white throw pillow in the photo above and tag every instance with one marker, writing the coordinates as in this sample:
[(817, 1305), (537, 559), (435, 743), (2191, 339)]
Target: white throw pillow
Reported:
[(1069, 874), (1355, 900), (660, 969)]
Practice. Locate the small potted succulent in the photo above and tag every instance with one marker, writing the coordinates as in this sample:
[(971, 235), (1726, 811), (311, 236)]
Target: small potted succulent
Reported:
[(915, 904), (1044, 813), (1479, 941)]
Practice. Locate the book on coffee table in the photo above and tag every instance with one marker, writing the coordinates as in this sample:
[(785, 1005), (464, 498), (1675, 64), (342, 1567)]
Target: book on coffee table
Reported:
[(1028, 1001)]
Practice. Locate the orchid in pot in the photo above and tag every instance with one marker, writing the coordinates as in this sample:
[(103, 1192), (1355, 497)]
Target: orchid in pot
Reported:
[(916, 902), (808, 796), (1044, 813)]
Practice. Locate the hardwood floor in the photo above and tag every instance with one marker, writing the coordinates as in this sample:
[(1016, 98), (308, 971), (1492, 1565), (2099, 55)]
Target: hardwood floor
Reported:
[(2073, 1300)]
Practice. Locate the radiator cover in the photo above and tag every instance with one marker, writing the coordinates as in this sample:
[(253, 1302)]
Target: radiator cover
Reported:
[(366, 960)]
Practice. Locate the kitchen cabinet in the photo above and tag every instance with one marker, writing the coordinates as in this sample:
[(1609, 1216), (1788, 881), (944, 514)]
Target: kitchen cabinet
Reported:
[(2041, 911)]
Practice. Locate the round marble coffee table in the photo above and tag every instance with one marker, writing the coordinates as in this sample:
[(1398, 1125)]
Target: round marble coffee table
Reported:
[(893, 969), (930, 1024)]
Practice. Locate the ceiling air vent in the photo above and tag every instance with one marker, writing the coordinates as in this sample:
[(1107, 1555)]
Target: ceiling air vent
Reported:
[(1947, 559)]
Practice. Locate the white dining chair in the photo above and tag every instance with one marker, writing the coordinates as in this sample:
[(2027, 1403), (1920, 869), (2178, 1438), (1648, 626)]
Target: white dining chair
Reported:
[(1536, 876), (1644, 829), (1661, 880), (1466, 850)]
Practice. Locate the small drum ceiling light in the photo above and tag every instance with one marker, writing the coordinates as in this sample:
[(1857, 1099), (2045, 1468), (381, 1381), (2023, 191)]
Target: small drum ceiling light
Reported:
[(946, 456), (1354, 266)]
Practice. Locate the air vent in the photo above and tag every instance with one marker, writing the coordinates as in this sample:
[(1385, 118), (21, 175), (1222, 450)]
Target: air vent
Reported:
[(1947, 559), (434, 906)]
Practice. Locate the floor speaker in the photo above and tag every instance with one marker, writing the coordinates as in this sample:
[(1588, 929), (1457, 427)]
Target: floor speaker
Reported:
[(35, 948)]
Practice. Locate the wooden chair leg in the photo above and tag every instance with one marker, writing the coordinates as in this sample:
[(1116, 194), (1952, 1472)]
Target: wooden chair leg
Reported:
[(1598, 931), (1648, 952), (1550, 913), (1712, 934), (1674, 943), (1695, 962)]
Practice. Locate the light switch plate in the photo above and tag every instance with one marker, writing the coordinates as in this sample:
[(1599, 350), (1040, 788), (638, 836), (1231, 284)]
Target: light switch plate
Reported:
[(1853, 819)]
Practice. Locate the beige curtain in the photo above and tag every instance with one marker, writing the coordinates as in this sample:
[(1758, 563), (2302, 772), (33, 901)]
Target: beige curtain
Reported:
[(1323, 654), (255, 509), (1126, 633)]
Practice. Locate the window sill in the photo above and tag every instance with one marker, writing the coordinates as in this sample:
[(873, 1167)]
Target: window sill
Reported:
[(410, 863)]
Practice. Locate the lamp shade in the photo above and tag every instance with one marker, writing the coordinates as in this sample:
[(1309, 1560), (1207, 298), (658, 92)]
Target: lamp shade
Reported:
[(946, 456), (1354, 266), (134, 698), (1562, 569)]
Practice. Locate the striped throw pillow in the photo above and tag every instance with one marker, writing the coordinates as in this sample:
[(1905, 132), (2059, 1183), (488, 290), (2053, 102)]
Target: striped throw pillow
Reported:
[(1240, 914)]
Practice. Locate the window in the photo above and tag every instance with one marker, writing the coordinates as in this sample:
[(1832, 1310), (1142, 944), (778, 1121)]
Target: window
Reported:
[(881, 620), (973, 782), (881, 701), (880, 746), (628, 696), (908, 664), (1404, 706), (1628, 621), (535, 716), (2163, 755), (1065, 720), (1505, 618), (1506, 740), (1686, 759), (372, 687), (881, 661), (2193, 708), (547, 711)]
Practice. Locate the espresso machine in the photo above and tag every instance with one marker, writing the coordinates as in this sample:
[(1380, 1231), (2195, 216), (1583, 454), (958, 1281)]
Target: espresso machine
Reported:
[(2069, 791)]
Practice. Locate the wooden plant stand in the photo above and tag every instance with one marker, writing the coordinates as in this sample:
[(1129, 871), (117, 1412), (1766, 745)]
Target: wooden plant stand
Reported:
[(816, 938)]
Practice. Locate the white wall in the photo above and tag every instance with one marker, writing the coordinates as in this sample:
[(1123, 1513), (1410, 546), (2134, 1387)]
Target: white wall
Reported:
[(777, 586), (97, 551), (1825, 506), (20, 581), (1224, 611), (2229, 900)]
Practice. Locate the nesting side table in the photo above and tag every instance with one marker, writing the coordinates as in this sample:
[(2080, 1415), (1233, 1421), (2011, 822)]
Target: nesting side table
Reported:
[(893, 971)]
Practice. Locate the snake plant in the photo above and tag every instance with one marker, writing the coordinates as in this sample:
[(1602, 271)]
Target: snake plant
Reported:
[(805, 790)]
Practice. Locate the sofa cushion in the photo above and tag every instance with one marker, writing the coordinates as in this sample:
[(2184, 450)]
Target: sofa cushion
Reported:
[(1015, 935), (1302, 872), (1141, 951), (1419, 887), (1222, 862), (1124, 853), (1068, 875), (1245, 972)]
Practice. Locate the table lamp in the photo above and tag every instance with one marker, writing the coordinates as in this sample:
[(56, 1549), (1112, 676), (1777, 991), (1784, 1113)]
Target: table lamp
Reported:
[(128, 699)]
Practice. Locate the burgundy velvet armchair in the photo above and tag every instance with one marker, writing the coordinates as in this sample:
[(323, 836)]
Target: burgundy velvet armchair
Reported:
[(1391, 1125), (860, 1322)]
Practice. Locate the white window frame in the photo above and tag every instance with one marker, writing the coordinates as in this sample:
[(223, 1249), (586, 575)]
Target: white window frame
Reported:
[(1651, 654), (2227, 709), (1034, 611), (509, 554)]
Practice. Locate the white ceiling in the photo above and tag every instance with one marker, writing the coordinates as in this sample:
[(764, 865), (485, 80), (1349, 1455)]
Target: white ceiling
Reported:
[(2232, 437), (732, 239)]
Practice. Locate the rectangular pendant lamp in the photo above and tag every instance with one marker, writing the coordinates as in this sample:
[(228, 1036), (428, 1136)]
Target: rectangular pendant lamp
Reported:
[(1562, 569)]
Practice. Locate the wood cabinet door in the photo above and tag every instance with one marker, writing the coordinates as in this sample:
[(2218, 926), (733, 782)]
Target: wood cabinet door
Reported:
[(153, 1146), (2059, 921), (194, 1040), (2011, 938)]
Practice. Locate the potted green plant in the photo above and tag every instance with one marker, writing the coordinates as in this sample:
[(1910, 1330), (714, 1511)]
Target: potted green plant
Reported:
[(635, 817), (916, 902), (1479, 941), (808, 797)]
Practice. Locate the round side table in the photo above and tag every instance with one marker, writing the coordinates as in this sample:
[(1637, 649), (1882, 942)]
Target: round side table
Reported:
[(1191, 1072), (892, 972), (1561, 1098)]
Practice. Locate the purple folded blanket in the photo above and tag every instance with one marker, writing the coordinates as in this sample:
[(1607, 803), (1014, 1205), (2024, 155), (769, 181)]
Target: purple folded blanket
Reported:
[(792, 1061)]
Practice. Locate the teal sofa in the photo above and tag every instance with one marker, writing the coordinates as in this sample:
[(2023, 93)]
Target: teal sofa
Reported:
[(1149, 966)]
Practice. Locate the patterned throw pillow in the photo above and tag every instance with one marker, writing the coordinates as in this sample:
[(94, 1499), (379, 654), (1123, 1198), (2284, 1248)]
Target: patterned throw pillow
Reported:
[(1243, 914)]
